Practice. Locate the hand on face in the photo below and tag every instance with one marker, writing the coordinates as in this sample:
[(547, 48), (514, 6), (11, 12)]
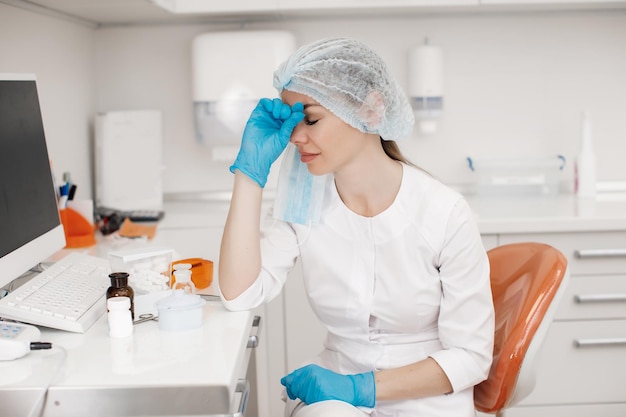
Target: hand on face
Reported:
[(266, 135)]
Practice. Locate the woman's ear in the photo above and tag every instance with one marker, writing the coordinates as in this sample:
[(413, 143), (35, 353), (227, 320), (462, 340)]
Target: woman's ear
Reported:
[(373, 110)]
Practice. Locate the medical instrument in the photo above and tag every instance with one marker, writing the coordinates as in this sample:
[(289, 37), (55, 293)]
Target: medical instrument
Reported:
[(265, 136), (17, 339), (68, 295), (146, 317)]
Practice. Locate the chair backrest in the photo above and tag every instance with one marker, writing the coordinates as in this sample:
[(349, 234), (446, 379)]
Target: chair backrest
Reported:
[(527, 281)]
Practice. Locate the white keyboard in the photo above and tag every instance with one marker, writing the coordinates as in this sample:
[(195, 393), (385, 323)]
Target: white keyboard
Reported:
[(69, 295)]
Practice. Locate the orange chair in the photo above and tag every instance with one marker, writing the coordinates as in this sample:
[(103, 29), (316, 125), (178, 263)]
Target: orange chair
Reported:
[(527, 281)]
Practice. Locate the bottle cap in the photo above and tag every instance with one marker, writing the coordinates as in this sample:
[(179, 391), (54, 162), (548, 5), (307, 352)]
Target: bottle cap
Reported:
[(182, 267), (118, 303), (119, 279), (182, 276)]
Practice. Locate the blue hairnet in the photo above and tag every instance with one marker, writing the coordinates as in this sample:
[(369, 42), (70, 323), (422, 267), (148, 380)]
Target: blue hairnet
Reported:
[(352, 81)]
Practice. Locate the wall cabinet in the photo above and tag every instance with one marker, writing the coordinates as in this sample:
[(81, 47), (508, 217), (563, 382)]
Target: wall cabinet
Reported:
[(368, 4), (263, 7), (553, 2)]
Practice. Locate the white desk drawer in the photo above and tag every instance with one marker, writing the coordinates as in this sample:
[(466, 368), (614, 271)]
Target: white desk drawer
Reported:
[(594, 297), (604, 410), (582, 363), (587, 253)]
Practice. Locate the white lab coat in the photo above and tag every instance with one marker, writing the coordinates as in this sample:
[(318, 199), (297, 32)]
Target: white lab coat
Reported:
[(393, 289)]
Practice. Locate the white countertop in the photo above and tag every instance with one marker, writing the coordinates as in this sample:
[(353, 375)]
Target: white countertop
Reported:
[(146, 371), (548, 214), (501, 214)]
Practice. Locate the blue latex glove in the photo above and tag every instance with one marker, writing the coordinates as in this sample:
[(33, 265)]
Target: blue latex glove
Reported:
[(313, 383), (266, 135)]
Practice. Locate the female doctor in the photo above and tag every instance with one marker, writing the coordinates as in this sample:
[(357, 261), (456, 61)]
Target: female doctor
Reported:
[(393, 263)]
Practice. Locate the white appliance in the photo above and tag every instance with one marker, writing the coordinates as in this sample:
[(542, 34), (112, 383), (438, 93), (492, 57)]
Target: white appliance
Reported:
[(231, 71), (426, 85), (128, 160)]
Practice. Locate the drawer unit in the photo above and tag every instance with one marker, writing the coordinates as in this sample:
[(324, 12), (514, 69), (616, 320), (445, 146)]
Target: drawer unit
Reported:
[(589, 297), (582, 362), (604, 410), (587, 253), (582, 366)]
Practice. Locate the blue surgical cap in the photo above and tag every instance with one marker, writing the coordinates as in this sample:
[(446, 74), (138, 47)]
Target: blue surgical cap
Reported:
[(352, 81)]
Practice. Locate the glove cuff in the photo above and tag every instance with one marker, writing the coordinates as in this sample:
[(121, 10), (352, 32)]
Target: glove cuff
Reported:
[(249, 174), (364, 389)]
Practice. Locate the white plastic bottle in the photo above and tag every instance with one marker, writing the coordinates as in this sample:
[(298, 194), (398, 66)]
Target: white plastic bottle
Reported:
[(119, 317), (182, 278), (585, 185)]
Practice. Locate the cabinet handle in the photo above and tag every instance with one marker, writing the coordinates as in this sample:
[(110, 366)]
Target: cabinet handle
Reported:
[(253, 340), (243, 387), (599, 253), (599, 298), (614, 341)]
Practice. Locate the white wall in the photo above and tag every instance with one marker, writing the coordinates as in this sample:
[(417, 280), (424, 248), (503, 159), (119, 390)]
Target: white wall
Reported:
[(515, 85), (60, 53)]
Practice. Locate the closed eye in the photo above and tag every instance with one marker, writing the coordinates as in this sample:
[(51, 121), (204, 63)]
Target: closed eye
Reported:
[(310, 122)]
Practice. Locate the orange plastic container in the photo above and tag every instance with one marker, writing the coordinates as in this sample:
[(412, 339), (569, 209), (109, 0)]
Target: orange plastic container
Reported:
[(79, 233), (201, 271)]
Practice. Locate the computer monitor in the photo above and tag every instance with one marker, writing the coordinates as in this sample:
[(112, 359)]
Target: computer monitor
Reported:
[(30, 228)]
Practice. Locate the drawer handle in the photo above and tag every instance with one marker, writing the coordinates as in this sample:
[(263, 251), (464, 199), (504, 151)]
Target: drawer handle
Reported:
[(615, 341), (243, 387), (599, 253), (253, 339), (599, 298)]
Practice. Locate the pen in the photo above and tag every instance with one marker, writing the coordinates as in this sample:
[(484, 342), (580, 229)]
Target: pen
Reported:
[(65, 189), (72, 191)]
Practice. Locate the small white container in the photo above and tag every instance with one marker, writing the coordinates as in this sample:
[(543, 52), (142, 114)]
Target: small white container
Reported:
[(119, 317), (180, 311)]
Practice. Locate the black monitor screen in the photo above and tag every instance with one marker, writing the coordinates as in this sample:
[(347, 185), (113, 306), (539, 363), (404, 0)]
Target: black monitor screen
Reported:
[(28, 205)]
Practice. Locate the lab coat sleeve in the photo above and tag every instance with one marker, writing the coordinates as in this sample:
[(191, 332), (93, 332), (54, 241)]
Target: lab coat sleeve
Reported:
[(466, 318), (279, 249)]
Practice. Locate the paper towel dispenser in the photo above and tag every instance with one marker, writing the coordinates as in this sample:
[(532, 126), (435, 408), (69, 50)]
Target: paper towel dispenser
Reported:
[(426, 85), (231, 71)]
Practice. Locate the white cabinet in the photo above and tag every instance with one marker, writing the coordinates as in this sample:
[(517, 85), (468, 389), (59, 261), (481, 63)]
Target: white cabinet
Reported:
[(286, 5), (216, 7), (264, 7), (583, 362), (554, 2)]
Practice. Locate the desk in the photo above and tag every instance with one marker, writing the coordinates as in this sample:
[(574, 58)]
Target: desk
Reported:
[(200, 372)]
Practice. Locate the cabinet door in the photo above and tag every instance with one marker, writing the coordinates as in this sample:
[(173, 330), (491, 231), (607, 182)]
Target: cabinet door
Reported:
[(581, 362), (216, 7), (368, 4), (304, 332), (487, 2), (604, 410), (589, 253)]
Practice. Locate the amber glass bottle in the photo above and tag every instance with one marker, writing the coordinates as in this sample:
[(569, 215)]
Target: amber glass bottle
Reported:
[(119, 288)]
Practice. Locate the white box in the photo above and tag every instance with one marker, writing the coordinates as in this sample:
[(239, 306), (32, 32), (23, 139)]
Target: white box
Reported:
[(128, 160)]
